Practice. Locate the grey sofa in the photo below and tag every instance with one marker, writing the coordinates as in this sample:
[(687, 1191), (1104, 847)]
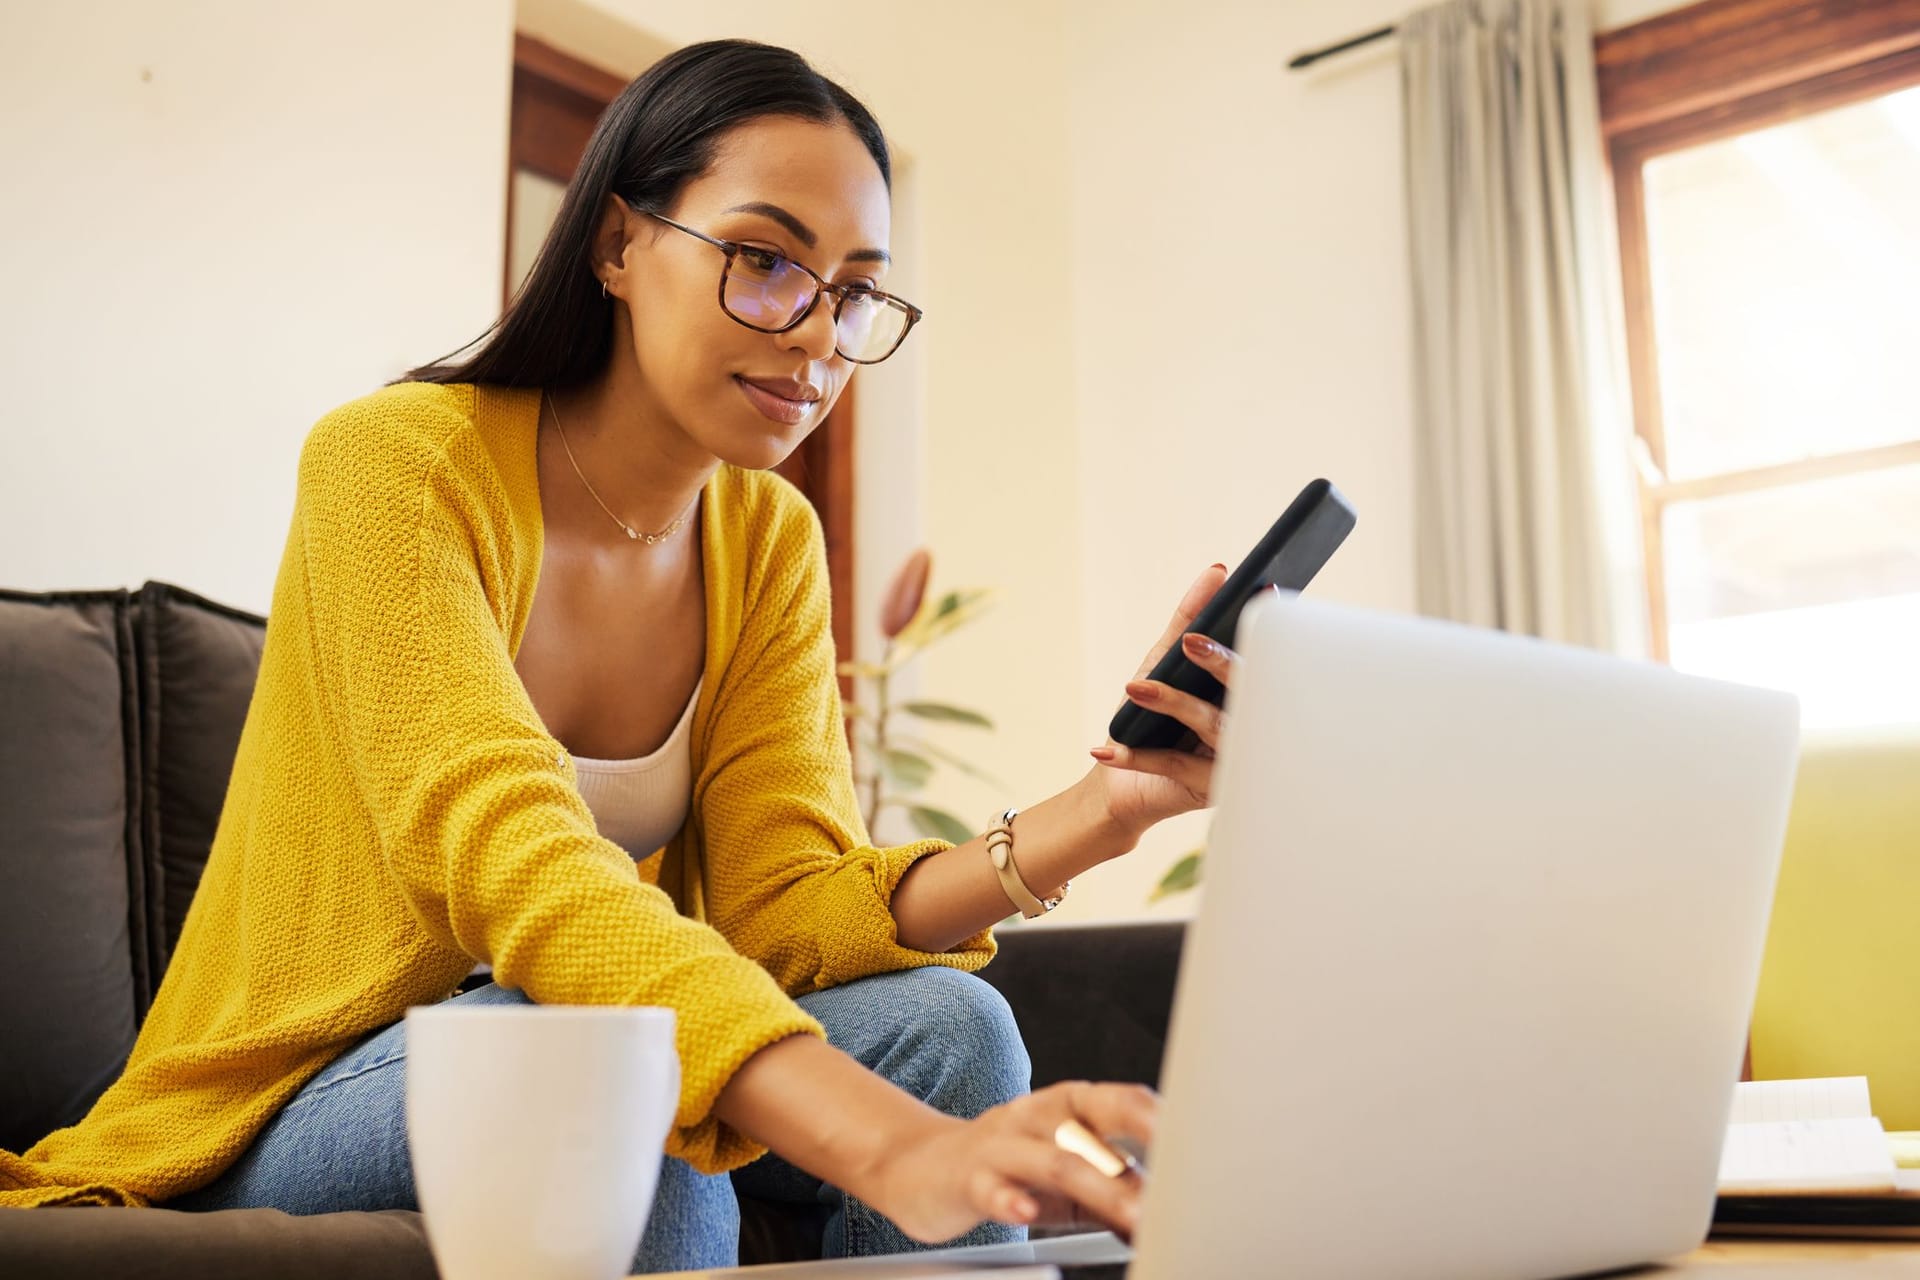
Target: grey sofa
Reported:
[(120, 713)]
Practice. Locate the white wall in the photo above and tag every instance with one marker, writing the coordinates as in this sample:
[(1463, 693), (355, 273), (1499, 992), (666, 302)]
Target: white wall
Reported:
[(221, 219), (224, 218), (1165, 281), (1242, 317)]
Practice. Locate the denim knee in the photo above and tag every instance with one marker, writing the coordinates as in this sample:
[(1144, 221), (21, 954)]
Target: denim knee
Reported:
[(955, 1043), (490, 993)]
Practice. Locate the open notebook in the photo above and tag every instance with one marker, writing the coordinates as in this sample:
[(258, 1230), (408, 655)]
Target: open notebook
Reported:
[(1808, 1137)]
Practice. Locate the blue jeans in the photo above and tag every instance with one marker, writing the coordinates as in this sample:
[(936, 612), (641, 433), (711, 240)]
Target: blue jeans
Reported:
[(942, 1035)]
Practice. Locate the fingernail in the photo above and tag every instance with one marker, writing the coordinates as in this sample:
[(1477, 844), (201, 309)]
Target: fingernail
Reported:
[(1198, 646), (1102, 754), (1141, 691)]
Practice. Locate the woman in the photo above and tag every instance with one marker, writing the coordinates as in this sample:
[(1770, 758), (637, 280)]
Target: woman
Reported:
[(443, 765)]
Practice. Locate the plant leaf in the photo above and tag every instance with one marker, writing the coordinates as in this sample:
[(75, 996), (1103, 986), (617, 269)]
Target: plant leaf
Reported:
[(1181, 876), (957, 607), (953, 610), (904, 595), (947, 713), (938, 823), (907, 769)]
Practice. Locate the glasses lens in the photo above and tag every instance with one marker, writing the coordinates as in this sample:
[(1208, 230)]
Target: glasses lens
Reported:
[(766, 289), (870, 326)]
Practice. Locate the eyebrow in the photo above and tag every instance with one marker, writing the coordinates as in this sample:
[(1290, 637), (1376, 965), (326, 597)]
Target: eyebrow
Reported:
[(802, 232)]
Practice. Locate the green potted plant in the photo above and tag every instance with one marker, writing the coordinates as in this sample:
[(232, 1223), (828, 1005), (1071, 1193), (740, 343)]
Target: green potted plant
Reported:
[(896, 760), (895, 757)]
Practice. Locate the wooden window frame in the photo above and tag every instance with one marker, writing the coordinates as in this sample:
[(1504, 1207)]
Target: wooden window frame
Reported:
[(1695, 75)]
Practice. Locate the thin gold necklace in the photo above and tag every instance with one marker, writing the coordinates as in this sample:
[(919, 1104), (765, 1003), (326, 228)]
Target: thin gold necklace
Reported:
[(635, 534)]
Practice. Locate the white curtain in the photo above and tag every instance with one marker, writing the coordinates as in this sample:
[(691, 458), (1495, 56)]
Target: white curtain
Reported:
[(1525, 511)]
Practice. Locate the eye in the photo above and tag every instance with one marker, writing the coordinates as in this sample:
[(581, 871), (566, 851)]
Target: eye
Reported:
[(759, 261)]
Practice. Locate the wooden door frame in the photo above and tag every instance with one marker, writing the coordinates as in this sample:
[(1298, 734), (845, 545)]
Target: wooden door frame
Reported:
[(822, 468), (556, 99)]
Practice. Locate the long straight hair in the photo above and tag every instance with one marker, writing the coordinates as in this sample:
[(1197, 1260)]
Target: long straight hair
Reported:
[(653, 139)]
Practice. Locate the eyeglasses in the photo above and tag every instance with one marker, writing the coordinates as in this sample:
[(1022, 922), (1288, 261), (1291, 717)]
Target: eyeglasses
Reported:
[(769, 292)]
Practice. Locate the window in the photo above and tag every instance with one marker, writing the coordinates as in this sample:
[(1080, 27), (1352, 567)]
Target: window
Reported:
[(1768, 186)]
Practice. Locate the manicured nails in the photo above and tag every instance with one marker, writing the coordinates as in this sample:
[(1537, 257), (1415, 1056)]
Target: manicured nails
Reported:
[(1141, 691), (1103, 754), (1199, 646)]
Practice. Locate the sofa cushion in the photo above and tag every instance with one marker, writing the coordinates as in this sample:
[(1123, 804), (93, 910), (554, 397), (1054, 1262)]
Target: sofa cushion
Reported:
[(73, 946), (1093, 1001), (198, 665), (160, 1244)]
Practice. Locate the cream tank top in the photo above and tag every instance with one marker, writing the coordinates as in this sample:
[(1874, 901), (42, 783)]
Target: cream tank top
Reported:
[(640, 804)]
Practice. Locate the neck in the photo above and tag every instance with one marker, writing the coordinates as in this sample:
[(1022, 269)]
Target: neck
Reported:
[(639, 463)]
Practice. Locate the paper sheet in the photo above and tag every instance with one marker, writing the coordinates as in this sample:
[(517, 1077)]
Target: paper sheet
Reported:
[(1796, 1136), (1837, 1098), (1806, 1155)]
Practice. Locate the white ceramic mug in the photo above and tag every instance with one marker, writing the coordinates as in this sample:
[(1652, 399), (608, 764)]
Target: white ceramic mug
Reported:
[(537, 1133)]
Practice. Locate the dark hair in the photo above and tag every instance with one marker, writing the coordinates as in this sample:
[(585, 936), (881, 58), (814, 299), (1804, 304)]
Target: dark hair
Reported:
[(653, 139)]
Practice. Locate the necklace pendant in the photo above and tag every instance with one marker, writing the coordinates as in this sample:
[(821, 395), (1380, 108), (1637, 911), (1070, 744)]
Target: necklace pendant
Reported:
[(630, 532)]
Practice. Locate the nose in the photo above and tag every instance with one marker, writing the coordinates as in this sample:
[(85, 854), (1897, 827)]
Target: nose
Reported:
[(817, 335)]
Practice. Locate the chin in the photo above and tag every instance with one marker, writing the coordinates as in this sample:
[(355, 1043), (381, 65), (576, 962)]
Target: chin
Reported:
[(762, 445), (762, 452)]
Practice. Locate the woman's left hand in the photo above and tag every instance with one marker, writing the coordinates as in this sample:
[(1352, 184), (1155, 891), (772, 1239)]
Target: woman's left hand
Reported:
[(1145, 787)]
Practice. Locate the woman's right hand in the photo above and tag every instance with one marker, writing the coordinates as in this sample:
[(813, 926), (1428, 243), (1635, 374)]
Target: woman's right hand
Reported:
[(1006, 1166)]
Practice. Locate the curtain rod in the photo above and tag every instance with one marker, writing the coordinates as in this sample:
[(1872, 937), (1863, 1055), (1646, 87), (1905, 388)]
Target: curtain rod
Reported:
[(1312, 56)]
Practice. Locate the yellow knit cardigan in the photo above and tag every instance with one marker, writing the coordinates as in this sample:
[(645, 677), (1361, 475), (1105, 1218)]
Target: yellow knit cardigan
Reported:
[(397, 809)]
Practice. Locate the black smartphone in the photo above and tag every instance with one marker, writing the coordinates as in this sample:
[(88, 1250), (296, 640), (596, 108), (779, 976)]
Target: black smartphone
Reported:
[(1303, 539)]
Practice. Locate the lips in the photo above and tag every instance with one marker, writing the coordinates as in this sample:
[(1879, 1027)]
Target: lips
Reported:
[(785, 388), (784, 400)]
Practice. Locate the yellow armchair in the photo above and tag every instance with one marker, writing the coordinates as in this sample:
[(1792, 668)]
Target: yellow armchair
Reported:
[(1840, 983)]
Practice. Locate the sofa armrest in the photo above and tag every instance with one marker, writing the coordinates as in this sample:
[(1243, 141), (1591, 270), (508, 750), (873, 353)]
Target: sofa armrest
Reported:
[(1093, 1001)]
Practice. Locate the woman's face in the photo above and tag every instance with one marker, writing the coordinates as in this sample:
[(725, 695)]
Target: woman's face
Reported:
[(813, 193)]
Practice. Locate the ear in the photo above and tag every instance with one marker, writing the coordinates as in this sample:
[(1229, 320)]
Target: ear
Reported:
[(618, 227)]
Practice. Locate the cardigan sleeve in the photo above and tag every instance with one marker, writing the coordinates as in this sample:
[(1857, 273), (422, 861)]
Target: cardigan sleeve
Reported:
[(480, 827), (793, 879)]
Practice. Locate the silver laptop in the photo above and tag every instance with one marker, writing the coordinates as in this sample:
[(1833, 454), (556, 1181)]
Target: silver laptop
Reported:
[(1468, 992), (1468, 989)]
